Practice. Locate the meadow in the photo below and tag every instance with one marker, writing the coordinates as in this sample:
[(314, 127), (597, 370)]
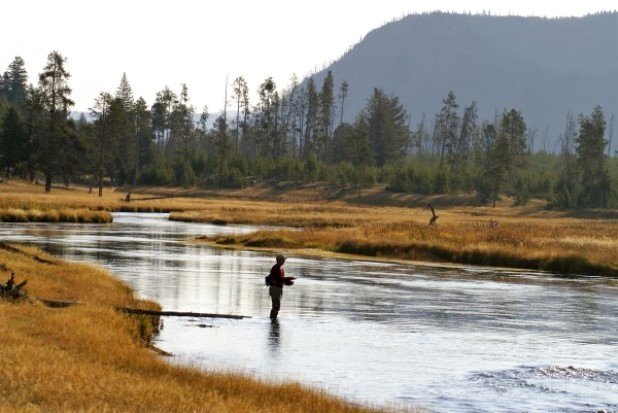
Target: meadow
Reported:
[(378, 225)]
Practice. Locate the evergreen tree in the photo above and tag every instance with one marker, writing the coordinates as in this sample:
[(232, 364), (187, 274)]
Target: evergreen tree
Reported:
[(14, 83), (13, 141), (388, 127), (326, 101), (105, 139), (591, 161), (53, 83), (309, 147), (240, 95), (567, 187), (508, 153), (222, 148), (183, 127), (468, 136), (122, 116), (143, 133), (447, 124), (343, 93), (162, 110)]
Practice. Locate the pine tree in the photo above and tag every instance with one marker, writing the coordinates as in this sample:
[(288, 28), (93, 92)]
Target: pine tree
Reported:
[(15, 82), (105, 141), (447, 124), (508, 153), (144, 136), (388, 127), (343, 93), (13, 140), (567, 187), (53, 83), (162, 110), (309, 147), (594, 177), (240, 95), (326, 101), (122, 116)]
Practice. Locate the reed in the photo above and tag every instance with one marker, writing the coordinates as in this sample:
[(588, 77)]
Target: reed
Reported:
[(91, 358)]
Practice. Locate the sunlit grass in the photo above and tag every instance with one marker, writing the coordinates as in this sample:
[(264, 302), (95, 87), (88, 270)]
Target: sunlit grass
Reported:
[(525, 237), (91, 358), (83, 216), (560, 245)]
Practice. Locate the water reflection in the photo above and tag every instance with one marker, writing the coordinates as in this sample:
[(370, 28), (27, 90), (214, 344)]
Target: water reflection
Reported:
[(451, 339), (274, 338)]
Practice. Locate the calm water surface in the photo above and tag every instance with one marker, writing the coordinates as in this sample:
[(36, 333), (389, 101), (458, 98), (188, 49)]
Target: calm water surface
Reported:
[(449, 340)]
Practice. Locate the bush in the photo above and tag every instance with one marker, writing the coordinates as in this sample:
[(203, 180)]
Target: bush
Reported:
[(441, 182)]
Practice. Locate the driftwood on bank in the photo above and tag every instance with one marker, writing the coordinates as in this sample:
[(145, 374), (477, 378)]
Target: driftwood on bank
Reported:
[(126, 310), (434, 217), (11, 290)]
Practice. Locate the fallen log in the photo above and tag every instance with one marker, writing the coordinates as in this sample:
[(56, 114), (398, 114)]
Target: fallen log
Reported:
[(179, 313), (126, 310), (156, 349)]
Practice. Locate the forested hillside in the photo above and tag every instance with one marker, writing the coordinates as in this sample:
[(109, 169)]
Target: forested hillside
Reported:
[(544, 68)]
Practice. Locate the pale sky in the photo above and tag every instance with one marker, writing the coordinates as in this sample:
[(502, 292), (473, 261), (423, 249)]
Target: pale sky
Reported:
[(165, 43)]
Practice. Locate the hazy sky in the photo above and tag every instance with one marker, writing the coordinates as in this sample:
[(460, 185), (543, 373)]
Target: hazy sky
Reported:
[(159, 43)]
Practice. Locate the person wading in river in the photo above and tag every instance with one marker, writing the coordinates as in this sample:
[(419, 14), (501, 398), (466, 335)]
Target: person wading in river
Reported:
[(277, 281)]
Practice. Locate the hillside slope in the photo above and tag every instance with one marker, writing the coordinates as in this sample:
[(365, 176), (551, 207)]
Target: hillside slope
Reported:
[(543, 67)]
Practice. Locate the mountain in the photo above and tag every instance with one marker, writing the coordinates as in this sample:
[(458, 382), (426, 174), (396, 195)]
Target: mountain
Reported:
[(543, 67)]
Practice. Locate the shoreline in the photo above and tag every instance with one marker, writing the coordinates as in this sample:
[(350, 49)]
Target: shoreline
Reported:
[(97, 356), (233, 243)]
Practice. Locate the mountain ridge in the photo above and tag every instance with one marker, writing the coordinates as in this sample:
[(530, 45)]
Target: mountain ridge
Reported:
[(543, 67)]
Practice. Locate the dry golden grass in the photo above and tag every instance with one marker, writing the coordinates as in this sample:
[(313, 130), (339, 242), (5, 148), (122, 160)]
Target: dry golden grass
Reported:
[(88, 358), (525, 237), (301, 215), (82, 216), (23, 195), (559, 244)]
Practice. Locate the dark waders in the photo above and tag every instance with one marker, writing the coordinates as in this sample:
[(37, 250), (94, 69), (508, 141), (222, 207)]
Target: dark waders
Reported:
[(275, 295)]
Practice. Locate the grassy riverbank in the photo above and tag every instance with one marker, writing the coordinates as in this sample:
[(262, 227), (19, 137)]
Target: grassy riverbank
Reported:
[(82, 216), (91, 358), (563, 250), (378, 224), (18, 194), (563, 245)]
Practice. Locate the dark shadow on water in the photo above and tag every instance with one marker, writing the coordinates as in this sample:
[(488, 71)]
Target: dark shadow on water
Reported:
[(274, 338)]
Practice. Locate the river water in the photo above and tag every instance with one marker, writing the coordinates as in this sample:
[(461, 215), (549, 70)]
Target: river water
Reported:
[(445, 339)]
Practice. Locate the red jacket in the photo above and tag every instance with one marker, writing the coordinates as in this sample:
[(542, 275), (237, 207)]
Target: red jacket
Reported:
[(278, 276)]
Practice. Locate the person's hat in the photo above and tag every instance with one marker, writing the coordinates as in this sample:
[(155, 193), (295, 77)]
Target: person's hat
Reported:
[(280, 257)]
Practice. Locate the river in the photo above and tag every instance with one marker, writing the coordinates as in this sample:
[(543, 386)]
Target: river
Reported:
[(466, 339)]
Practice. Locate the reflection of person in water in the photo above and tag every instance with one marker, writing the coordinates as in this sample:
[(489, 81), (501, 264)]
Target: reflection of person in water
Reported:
[(278, 280), (274, 340)]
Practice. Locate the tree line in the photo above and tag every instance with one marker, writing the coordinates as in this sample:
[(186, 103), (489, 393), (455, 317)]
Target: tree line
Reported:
[(297, 134)]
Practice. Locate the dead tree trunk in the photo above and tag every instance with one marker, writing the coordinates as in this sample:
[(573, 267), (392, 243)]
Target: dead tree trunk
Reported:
[(434, 217)]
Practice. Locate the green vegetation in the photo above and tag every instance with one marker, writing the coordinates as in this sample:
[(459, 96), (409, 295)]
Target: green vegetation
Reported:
[(295, 135)]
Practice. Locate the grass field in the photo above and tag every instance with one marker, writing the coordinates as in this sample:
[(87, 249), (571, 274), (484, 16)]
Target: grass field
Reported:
[(579, 242), (81, 215), (562, 246), (89, 358), (524, 237)]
